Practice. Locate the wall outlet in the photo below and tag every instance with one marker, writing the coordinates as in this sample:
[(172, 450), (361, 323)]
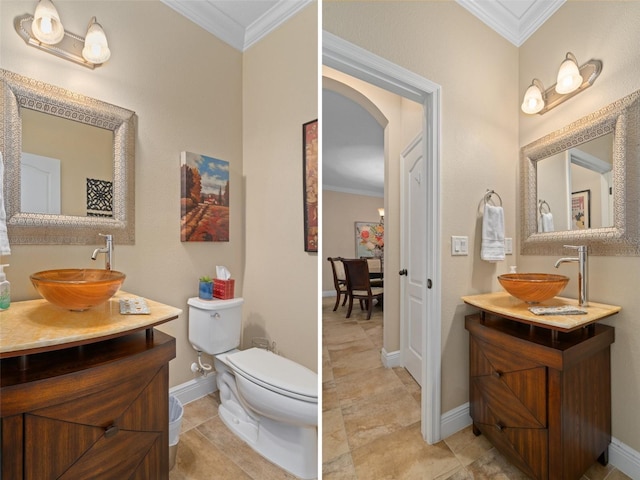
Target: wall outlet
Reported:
[(459, 245), (508, 246)]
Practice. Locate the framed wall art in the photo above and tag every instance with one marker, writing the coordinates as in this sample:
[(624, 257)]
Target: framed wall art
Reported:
[(204, 198), (310, 184), (581, 210), (369, 239)]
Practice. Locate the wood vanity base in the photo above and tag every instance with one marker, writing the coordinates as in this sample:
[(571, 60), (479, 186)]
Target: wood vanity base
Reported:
[(543, 400), (97, 411)]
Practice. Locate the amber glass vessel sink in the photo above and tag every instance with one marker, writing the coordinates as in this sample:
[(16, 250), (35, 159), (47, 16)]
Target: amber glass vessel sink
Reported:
[(77, 289), (533, 287)]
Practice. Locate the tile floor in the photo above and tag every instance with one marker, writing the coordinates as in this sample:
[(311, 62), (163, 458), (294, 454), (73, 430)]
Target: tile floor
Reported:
[(371, 416), (207, 449)]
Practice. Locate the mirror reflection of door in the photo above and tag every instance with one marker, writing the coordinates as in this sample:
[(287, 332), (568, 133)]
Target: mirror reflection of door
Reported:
[(585, 168), (83, 152)]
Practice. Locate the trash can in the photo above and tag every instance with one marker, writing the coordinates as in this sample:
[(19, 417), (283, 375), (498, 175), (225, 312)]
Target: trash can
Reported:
[(175, 422)]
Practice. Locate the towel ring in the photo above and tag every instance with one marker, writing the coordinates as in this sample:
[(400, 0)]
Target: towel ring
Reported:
[(541, 204), (487, 196)]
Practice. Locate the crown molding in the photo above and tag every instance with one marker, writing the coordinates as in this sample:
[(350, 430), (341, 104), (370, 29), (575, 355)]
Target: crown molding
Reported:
[(206, 15)]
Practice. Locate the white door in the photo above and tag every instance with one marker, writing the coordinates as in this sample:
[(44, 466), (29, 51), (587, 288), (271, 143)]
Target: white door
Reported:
[(412, 258), (40, 185)]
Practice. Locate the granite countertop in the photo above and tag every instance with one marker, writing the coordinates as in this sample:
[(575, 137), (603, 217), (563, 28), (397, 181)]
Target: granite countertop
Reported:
[(505, 305), (35, 326)]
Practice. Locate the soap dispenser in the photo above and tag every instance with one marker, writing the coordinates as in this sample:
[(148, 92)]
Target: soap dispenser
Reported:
[(5, 290)]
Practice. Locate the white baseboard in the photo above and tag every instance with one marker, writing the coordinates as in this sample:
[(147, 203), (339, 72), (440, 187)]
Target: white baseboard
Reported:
[(454, 420), (329, 293), (621, 456), (624, 458), (194, 389), (390, 359)]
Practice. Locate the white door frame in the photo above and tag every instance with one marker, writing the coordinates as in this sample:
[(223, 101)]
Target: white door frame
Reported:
[(364, 65)]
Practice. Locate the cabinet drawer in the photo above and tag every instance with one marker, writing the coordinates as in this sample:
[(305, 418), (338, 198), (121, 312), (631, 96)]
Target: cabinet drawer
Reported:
[(518, 391), (526, 448)]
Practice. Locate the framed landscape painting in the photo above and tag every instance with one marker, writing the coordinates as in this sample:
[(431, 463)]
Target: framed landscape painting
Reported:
[(204, 198)]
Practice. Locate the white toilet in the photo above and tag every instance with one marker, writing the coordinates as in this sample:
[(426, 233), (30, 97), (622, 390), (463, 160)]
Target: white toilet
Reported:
[(265, 399)]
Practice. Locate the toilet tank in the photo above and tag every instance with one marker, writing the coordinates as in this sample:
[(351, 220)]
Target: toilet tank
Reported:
[(214, 325)]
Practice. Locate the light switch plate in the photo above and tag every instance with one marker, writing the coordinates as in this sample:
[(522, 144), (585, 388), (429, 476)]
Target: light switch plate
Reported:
[(459, 245), (508, 246)]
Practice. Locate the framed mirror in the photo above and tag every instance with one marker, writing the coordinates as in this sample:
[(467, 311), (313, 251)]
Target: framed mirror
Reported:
[(69, 165), (587, 177)]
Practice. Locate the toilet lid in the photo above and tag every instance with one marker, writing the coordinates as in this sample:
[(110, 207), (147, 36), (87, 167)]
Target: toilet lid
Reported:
[(276, 373)]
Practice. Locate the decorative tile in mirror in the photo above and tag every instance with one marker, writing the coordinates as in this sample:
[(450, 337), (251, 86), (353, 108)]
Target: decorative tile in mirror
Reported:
[(622, 118), (18, 93)]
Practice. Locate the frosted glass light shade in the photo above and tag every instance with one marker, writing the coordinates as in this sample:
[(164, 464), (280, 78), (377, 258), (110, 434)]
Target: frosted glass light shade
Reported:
[(533, 101), (46, 25), (569, 78), (96, 49)]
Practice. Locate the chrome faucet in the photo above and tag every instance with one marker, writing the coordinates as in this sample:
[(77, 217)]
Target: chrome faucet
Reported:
[(583, 271), (107, 250)]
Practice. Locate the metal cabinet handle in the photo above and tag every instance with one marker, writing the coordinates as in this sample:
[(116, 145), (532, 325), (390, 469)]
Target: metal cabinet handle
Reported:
[(111, 431), (497, 373), (500, 426), (403, 272)]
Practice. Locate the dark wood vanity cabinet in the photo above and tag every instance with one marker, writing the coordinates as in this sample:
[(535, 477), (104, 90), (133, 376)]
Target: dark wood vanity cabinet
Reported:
[(542, 398), (97, 411)]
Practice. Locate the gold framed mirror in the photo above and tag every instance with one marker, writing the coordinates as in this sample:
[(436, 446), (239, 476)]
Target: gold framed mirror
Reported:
[(115, 192), (621, 236)]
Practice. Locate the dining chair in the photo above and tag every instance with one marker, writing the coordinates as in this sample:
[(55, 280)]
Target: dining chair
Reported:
[(359, 285), (339, 280)]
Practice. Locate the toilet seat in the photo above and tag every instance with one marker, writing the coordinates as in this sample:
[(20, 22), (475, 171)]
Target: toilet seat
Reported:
[(275, 373)]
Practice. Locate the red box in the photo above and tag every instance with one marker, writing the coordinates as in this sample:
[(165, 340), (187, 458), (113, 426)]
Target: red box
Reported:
[(223, 289)]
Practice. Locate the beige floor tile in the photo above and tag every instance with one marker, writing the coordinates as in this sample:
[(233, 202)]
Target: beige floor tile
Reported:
[(334, 436), (467, 447), (339, 350), (239, 452), (329, 396), (361, 385), (617, 475), (341, 333), (379, 415), (199, 459), (493, 466), (340, 468), (199, 411), (355, 362), (404, 455)]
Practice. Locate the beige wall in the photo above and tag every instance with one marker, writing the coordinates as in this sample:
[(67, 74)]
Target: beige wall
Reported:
[(479, 150), (187, 91), (339, 213), (607, 31), (280, 93)]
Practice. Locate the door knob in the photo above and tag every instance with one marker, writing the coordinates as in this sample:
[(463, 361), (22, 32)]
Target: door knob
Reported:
[(403, 272)]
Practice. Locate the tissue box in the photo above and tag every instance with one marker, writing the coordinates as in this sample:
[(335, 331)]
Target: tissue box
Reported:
[(223, 289)]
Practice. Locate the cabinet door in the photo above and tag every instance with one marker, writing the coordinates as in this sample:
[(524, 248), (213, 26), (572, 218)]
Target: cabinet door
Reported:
[(110, 434)]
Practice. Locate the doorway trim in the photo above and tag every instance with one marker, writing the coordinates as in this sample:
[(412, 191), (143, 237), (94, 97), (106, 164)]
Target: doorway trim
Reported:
[(348, 58)]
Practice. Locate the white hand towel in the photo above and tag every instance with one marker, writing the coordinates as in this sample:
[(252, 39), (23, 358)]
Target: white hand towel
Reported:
[(492, 249), (4, 238), (546, 223)]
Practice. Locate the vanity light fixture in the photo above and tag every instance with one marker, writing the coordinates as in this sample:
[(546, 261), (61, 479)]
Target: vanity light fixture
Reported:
[(571, 81), (44, 30), (381, 213)]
